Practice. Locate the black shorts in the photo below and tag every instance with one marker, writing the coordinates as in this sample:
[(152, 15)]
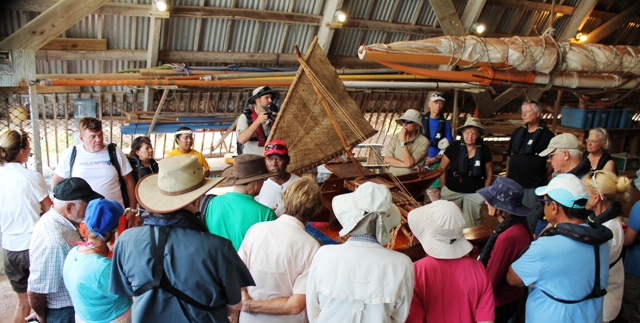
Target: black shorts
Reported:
[(16, 265)]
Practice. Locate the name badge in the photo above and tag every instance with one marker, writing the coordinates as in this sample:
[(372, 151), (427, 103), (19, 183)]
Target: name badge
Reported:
[(530, 142)]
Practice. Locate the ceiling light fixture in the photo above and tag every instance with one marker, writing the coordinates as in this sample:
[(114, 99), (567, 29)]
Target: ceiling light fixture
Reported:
[(341, 16), (478, 28), (581, 37), (161, 5)]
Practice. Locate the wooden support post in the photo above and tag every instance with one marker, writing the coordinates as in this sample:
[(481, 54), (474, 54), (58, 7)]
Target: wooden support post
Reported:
[(35, 125), (456, 112), (556, 110), (158, 109)]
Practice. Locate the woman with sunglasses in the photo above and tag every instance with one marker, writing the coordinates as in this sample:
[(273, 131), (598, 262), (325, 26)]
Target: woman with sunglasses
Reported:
[(184, 140), (597, 145), (407, 150), (606, 191), (23, 197)]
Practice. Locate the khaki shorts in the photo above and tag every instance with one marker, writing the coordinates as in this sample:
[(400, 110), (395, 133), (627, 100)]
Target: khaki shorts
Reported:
[(16, 265)]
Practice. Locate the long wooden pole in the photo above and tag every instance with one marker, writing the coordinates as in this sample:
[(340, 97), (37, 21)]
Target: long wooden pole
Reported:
[(158, 109), (345, 144)]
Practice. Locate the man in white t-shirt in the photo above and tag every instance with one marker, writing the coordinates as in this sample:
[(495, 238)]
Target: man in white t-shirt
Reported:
[(277, 158), (92, 163)]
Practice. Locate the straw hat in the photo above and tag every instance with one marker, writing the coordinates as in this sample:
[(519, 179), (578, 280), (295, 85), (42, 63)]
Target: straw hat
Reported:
[(260, 91), (438, 226), (368, 198), (505, 194), (180, 181), (246, 169), (411, 115), (473, 122)]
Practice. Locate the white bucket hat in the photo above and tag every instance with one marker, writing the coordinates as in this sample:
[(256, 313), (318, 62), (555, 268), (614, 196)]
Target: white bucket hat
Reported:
[(368, 198), (438, 226), (180, 181)]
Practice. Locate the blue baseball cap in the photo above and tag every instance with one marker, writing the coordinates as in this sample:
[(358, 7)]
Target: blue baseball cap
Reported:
[(102, 216), (565, 189)]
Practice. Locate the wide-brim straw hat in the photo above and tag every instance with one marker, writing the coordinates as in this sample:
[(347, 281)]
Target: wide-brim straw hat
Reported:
[(180, 180), (246, 169), (411, 115), (505, 194), (438, 226), (473, 122), (263, 90), (369, 197)]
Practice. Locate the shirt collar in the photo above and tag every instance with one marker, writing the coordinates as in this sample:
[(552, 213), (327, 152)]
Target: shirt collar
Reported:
[(363, 238), (290, 220)]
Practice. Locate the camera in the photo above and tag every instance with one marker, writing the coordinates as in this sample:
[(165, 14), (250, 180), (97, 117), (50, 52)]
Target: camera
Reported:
[(271, 108)]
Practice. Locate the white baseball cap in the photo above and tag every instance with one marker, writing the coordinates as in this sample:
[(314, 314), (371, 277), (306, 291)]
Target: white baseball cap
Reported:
[(565, 189)]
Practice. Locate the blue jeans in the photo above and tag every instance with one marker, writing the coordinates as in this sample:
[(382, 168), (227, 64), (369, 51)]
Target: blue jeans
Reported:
[(61, 315)]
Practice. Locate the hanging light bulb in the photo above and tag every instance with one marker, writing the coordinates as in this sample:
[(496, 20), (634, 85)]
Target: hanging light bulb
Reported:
[(161, 5), (478, 28), (341, 16)]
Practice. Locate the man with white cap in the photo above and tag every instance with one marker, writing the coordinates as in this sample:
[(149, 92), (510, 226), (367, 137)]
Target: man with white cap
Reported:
[(567, 267), (177, 270), (565, 155), (254, 124), (361, 280), (408, 148), (438, 130), (449, 286)]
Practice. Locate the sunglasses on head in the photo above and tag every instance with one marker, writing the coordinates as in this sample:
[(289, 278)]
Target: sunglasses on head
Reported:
[(275, 146), (593, 178)]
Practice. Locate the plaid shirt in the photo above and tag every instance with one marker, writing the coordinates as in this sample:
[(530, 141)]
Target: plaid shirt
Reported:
[(49, 246)]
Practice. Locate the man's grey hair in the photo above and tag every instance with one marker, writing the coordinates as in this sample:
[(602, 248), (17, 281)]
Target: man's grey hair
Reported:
[(59, 204), (574, 153), (535, 106)]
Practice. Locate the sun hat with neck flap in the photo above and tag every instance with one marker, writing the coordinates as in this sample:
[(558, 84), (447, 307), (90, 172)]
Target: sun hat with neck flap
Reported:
[(370, 203), (246, 169), (180, 180)]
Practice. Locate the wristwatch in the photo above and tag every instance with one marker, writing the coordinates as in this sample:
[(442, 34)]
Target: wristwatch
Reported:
[(402, 144)]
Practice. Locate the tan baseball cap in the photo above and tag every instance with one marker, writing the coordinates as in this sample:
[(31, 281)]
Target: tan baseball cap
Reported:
[(562, 141)]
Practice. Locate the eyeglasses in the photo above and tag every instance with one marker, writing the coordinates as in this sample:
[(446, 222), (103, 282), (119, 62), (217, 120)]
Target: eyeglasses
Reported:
[(593, 178), (407, 122), (275, 146), (551, 155), (591, 141)]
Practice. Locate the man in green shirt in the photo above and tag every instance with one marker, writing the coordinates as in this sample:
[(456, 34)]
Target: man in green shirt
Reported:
[(232, 214)]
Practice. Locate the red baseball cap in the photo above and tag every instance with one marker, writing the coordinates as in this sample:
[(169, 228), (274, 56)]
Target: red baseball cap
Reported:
[(276, 147)]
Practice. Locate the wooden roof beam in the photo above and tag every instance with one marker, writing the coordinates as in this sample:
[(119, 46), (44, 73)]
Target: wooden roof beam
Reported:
[(451, 25), (325, 32), (578, 18), (49, 24), (471, 13), (142, 10), (613, 24)]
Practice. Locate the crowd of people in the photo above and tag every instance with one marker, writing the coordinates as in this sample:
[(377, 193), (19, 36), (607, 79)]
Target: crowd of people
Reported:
[(132, 239)]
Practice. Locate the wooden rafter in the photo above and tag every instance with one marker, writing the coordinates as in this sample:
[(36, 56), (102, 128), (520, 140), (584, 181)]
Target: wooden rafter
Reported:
[(578, 18), (451, 25), (49, 24), (613, 24)]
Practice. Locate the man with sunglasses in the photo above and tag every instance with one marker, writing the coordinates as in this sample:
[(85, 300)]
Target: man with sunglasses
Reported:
[(254, 124), (568, 265), (408, 148), (277, 158)]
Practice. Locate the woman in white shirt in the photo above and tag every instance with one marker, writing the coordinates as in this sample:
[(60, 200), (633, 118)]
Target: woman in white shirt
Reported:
[(24, 197), (606, 191)]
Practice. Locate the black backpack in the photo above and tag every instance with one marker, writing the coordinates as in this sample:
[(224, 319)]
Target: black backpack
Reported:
[(111, 148)]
